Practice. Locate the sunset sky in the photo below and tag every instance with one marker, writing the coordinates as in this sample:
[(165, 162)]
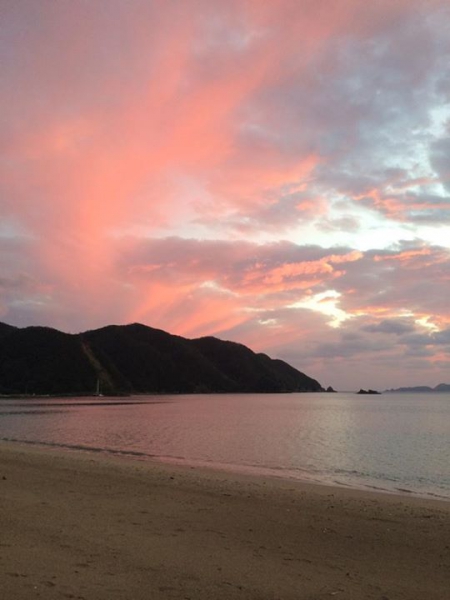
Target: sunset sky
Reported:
[(273, 172)]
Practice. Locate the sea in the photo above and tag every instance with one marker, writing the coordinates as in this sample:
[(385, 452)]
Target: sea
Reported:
[(394, 442)]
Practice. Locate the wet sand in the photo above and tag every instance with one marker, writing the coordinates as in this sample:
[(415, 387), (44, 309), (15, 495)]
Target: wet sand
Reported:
[(78, 525)]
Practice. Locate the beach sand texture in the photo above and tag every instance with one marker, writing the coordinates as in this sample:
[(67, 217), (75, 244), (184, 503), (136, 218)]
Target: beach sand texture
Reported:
[(78, 525)]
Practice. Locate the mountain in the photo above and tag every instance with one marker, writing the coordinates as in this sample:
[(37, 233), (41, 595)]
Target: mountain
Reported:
[(134, 359), (5, 329), (40, 360), (442, 387)]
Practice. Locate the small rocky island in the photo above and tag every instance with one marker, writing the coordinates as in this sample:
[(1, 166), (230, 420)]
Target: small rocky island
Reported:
[(361, 391)]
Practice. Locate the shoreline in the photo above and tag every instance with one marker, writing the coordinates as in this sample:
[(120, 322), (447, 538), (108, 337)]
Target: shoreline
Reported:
[(285, 475), (89, 526)]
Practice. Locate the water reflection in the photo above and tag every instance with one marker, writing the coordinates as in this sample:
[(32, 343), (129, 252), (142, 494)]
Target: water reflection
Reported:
[(393, 442)]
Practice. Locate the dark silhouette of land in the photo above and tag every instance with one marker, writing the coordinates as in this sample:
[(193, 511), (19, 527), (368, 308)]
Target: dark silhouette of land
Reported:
[(133, 359), (442, 387)]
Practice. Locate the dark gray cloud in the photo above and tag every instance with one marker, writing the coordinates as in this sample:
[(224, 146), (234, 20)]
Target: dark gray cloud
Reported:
[(394, 326), (434, 338), (440, 161), (346, 223)]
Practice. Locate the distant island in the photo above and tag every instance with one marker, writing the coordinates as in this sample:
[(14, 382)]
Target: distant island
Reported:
[(361, 391), (442, 387), (136, 359)]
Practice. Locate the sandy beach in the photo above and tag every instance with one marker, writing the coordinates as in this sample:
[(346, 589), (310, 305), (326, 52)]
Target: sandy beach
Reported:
[(85, 526)]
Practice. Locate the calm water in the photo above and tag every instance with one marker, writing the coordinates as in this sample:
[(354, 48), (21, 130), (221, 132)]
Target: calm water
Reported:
[(391, 442)]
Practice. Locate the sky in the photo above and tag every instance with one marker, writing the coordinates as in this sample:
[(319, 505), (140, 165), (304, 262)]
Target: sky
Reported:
[(272, 172)]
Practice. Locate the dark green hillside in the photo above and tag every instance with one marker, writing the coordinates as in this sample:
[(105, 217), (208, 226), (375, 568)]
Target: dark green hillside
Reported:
[(40, 360), (292, 377), (142, 359), (6, 330), (136, 359), (254, 372)]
